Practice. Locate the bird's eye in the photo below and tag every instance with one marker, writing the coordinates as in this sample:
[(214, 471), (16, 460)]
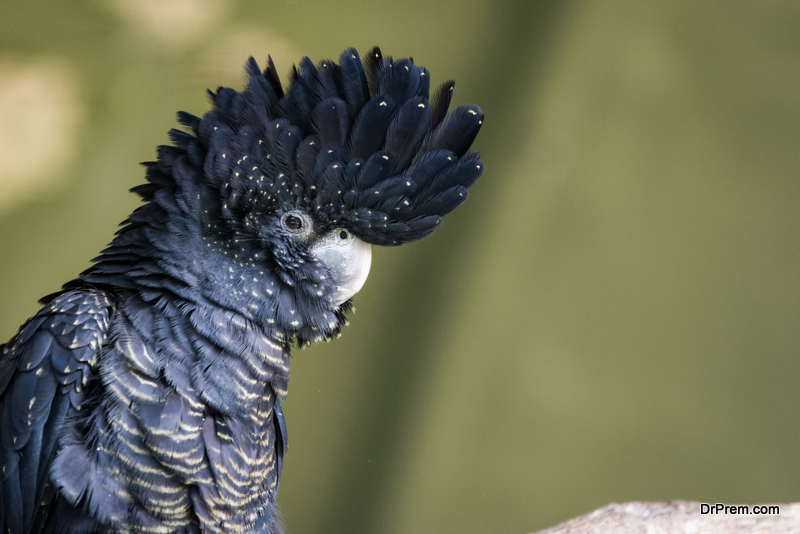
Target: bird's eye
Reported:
[(294, 222), (297, 223), (343, 234)]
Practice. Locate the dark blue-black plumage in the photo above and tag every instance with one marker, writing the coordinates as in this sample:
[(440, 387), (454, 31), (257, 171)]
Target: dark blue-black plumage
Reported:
[(144, 396)]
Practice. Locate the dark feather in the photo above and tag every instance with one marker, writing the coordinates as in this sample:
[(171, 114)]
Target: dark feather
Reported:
[(401, 80), (33, 406), (282, 435), (331, 121), (271, 75), (369, 130), (377, 168), (352, 81), (322, 81), (307, 157), (457, 132), (440, 103), (407, 130), (296, 106), (189, 120), (443, 202), (373, 62)]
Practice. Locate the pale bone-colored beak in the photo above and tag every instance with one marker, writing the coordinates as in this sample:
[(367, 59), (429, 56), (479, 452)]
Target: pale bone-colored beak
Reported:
[(347, 258)]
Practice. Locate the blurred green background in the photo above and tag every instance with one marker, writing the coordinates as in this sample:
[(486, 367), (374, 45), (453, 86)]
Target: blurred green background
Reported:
[(614, 314)]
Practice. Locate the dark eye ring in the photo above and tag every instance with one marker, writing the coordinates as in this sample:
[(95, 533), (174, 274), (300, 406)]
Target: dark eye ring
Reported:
[(343, 234), (294, 222)]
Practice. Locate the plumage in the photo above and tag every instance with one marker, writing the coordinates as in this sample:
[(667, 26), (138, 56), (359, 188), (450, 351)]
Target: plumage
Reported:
[(407, 130), (369, 130), (145, 395), (457, 131), (351, 81), (440, 103), (331, 121)]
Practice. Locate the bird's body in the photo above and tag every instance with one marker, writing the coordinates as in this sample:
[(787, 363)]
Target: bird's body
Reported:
[(144, 396)]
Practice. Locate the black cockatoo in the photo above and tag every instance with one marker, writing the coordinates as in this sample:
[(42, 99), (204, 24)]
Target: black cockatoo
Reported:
[(144, 396)]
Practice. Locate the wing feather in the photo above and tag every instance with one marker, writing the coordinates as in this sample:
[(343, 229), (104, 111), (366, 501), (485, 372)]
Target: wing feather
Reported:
[(44, 371)]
